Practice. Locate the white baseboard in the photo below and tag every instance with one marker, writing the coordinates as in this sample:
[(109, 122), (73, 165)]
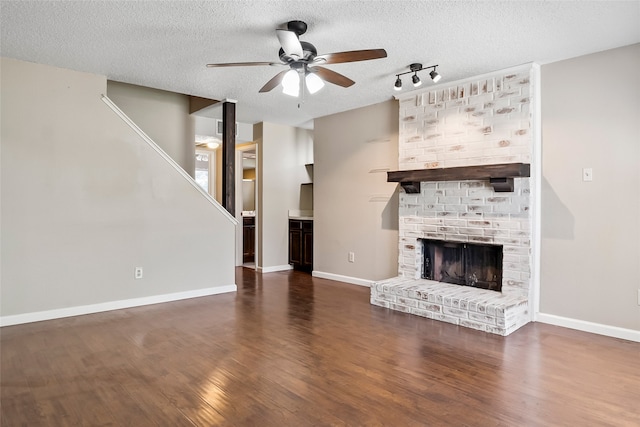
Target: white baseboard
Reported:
[(274, 268), (111, 305), (340, 278), (595, 328)]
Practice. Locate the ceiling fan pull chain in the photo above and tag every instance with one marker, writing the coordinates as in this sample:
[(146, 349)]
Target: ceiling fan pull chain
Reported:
[(303, 88)]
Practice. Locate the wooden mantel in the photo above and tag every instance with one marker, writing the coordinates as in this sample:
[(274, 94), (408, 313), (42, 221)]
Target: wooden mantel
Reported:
[(500, 176)]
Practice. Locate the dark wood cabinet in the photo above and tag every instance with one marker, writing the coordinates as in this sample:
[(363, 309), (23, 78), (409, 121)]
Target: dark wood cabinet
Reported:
[(301, 244), (248, 238)]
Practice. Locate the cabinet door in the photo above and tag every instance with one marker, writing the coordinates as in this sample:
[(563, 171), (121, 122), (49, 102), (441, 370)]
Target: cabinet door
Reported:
[(249, 239), (295, 242), (307, 249), (248, 244)]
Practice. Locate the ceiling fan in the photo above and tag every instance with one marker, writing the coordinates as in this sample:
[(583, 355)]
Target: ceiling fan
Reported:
[(304, 63)]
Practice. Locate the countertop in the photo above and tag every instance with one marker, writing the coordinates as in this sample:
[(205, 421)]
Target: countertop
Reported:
[(301, 214)]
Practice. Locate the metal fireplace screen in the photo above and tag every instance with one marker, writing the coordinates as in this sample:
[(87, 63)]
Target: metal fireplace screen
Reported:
[(479, 266)]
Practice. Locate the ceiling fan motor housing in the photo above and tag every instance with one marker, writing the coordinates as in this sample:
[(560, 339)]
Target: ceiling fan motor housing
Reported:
[(297, 27), (308, 50)]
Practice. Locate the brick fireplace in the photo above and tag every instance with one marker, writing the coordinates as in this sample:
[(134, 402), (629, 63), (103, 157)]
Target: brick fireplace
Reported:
[(488, 120)]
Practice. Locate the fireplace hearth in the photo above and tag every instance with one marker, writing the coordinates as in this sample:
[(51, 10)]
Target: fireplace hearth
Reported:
[(466, 264)]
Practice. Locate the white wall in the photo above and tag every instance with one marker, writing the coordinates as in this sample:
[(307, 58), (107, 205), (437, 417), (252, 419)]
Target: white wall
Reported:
[(590, 261), (206, 123), (355, 208), (282, 152), (85, 200), (164, 116)]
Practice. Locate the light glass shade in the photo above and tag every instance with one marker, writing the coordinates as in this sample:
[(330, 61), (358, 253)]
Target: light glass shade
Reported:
[(207, 141), (416, 80), (314, 83), (435, 76), (291, 83)]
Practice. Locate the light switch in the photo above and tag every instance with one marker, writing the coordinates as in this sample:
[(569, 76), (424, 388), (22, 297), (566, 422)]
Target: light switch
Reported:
[(587, 174)]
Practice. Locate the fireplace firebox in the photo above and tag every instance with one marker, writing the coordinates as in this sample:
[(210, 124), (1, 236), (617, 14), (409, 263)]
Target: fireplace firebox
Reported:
[(467, 264)]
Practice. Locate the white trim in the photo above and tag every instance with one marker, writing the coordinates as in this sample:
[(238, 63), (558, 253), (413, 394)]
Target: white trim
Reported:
[(167, 158), (430, 88), (341, 278), (595, 328), (274, 268), (111, 305), (536, 214)]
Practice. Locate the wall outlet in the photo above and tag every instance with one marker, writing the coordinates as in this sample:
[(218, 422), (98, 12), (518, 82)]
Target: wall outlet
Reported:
[(352, 257), (138, 273), (587, 174)]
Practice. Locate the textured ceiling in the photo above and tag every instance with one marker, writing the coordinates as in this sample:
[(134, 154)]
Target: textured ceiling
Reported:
[(166, 45)]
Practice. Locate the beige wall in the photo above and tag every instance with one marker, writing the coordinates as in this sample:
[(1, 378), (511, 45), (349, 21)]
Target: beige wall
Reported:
[(282, 152), (590, 260), (355, 208), (163, 116), (85, 201)]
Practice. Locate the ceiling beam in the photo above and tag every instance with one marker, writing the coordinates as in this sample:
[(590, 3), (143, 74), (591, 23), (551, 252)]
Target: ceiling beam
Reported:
[(196, 103)]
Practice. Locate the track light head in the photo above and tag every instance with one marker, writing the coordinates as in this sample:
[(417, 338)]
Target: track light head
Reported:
[(398, 85), (435, 76), (416, 80)]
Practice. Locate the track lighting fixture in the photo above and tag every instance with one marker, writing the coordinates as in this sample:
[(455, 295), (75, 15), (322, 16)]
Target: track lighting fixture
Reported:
[(414, 68)]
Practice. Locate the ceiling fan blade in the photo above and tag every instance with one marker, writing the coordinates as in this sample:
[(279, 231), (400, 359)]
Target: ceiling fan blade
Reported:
[(275, 81), (351, 56), (333, 77), (290, 43), (242, 64)]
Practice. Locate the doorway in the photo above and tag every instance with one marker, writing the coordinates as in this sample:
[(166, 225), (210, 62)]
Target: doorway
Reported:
[(246, 198), (205, 170)]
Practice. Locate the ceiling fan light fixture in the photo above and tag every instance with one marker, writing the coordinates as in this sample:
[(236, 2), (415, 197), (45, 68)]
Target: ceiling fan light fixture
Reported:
[(416, 80), (291, 83), (314, 83), (398, 85), (435, 76), (299, 56)]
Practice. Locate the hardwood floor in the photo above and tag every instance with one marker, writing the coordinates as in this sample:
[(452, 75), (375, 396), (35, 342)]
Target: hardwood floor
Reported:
[(291, 350)]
